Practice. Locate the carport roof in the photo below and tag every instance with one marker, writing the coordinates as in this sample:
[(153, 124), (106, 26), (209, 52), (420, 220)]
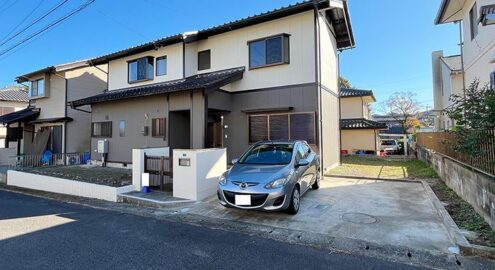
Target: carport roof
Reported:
[(206, 81), (361, 123)]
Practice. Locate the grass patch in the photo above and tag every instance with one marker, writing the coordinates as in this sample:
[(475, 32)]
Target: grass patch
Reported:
[(377, 167), (464, 215)]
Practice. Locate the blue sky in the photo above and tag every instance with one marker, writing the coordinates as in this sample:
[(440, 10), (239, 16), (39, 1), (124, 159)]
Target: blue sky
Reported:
[(394, 38)]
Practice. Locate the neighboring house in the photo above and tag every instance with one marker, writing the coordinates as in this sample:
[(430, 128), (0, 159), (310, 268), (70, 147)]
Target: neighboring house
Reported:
[(358, 132), (272, 76), (447, 81), (394, 126), (12, 99), (478, 34), (49, 123)]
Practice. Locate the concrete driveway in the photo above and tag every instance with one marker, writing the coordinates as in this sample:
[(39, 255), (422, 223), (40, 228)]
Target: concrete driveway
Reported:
[(383, 212)]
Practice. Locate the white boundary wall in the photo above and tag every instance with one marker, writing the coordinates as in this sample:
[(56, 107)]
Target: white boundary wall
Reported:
[(138, 162), (65, 186), (199, 180)]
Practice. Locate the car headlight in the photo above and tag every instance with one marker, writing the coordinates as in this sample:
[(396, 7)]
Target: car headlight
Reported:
[(223, 179), (277, 183)]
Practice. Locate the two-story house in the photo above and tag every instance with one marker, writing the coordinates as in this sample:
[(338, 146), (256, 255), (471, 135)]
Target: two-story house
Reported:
[(476, 20), (447, 81), (272, 76), (358, 133), (49, 123), (12, 99)]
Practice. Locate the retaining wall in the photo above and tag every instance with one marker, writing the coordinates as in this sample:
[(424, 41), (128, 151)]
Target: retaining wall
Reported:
[(65, 186), (474, 186)]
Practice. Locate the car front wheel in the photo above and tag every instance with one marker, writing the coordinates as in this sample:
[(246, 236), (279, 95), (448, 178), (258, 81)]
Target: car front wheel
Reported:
[(295, 201)]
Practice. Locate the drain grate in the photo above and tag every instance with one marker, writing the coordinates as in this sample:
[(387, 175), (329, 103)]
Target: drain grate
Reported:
[(359, 218)]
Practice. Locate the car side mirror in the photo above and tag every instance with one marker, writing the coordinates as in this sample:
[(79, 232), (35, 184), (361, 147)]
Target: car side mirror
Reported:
[(235, 160), (302, 163)]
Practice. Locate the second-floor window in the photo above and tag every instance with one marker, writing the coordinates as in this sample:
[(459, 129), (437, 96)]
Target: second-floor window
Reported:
[(473, 21), (204, 60), (140, 69), (161, 66), (37, 88), (269, 51)]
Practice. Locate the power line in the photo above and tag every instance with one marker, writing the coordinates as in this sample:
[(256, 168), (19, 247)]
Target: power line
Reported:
[(48, 27), (35, 22), (23, 20), (7, 6)]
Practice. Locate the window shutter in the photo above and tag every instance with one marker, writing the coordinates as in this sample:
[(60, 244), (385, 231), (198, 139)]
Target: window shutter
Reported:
[(302, 127), (258, 128), (279, 127)]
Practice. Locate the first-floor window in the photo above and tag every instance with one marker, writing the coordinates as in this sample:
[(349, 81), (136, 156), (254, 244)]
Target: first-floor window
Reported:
[(101, 129), (288, 126), (158, 127), (122, 128)]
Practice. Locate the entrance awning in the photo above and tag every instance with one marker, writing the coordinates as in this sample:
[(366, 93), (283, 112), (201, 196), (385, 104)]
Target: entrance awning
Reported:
[(20, 116), (207, 81)]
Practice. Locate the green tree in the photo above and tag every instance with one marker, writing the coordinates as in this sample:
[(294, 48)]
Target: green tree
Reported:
[(472, 112), (344, 83)]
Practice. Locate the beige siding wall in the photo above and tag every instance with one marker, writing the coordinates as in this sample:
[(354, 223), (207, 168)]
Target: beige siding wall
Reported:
[(229, 50), (481, 50), (83, 82), (359, 139), (351, 107), (330, 130), (118, 68), (329, 62), (133, 112), (54, 104)]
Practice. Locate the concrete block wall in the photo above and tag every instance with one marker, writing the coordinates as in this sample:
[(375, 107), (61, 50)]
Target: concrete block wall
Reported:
[(474, 186)]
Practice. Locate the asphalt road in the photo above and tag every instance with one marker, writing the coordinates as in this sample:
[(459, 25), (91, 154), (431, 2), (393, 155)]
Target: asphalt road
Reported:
[(37, 233)]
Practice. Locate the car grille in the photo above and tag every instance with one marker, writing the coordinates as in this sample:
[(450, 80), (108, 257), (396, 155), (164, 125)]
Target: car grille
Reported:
[(248, 184), (256, 199)]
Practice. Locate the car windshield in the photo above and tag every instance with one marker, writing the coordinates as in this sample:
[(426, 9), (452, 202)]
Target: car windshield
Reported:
[(268, 154), (388, 143)]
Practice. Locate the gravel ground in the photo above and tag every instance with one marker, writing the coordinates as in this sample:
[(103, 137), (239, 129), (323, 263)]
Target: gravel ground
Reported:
[(113, 177)]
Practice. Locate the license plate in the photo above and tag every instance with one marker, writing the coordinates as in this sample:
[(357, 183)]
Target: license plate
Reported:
[(243, 199)]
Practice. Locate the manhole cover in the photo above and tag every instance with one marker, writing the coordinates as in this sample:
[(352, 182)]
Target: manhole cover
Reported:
[(359, 218)]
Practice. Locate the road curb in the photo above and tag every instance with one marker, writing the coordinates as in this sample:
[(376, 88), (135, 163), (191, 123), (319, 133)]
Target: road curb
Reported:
[(401, 254), (465, 248)]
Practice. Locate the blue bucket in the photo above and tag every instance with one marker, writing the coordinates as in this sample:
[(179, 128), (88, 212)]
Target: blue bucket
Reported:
[(145, 189)]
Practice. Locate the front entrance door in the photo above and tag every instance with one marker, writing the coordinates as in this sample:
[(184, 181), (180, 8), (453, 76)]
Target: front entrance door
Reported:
[(215, 131)]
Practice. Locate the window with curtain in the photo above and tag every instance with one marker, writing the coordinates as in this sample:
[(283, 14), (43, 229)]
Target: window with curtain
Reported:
[(269, 51), (140, 69)]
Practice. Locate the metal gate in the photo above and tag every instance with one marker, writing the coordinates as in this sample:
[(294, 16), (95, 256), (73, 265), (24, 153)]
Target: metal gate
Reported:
[(160, 170)]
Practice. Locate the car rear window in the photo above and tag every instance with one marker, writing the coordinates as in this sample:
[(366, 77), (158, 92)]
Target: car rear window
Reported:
[(268, 154)]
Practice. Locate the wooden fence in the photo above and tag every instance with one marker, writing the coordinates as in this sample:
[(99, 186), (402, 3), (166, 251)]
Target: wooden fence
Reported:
[(445, 142)]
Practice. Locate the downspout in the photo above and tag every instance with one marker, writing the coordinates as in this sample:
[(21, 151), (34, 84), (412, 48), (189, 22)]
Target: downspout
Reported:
[(317, 78), (461, 44), (340, 116), (65, 111)]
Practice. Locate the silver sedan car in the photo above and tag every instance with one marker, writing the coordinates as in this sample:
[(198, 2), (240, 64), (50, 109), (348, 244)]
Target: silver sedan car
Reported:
[(270, 176)]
